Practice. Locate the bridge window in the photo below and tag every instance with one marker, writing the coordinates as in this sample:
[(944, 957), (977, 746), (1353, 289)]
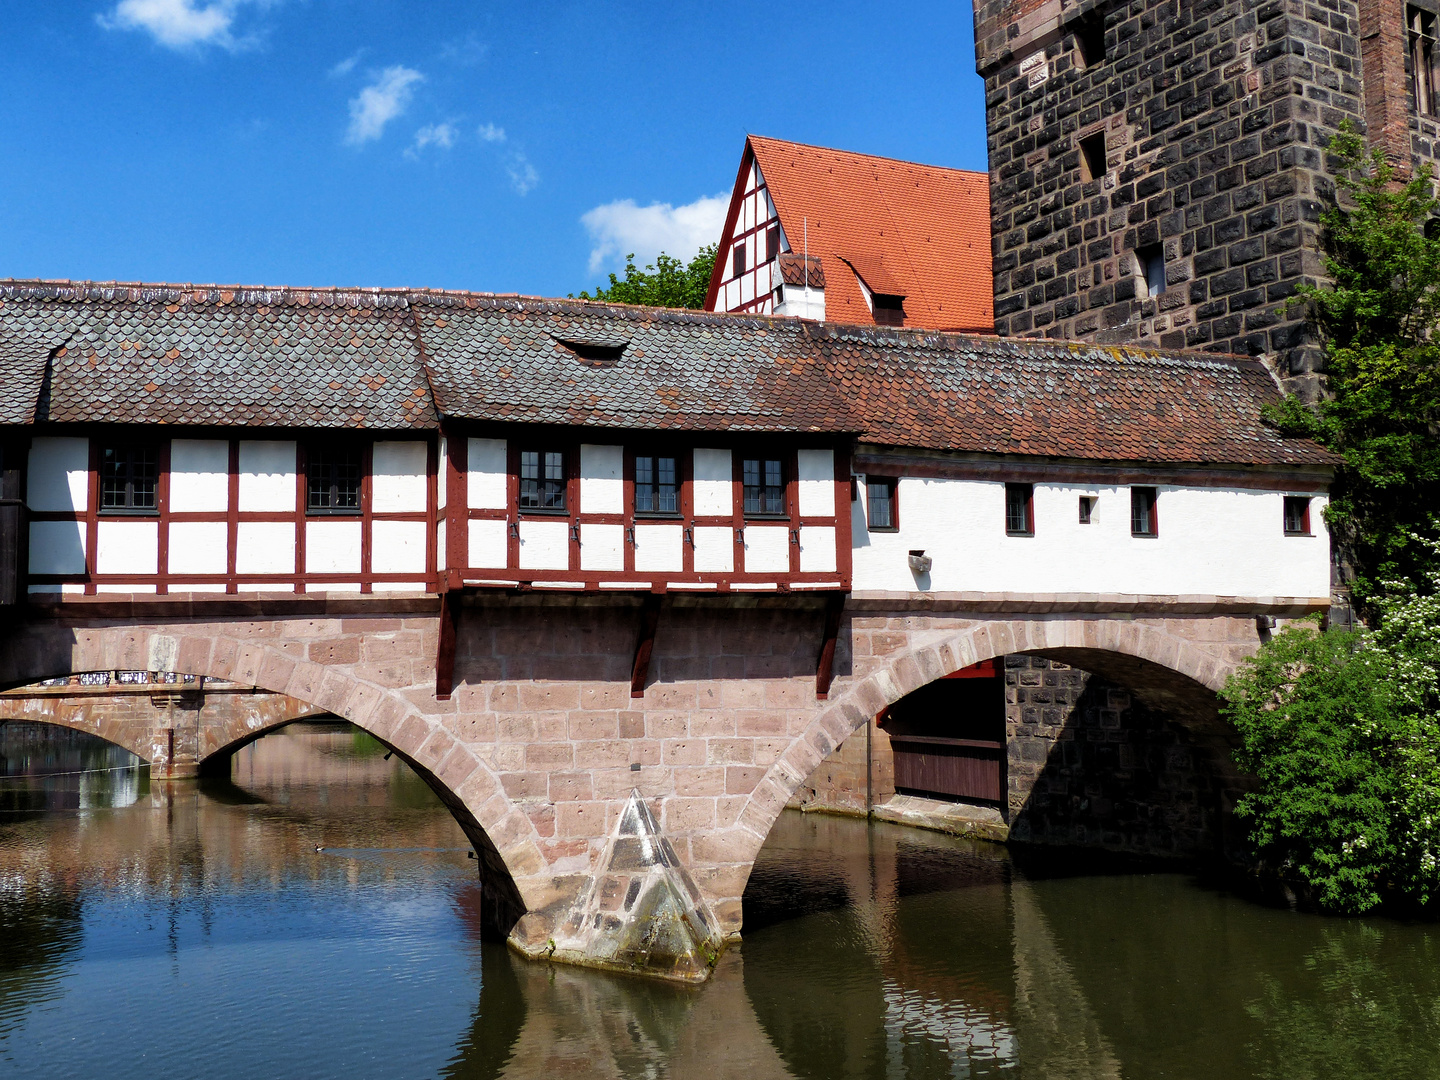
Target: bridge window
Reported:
[(657, 485), (772, 243), (1297, 515), (1143, 518), (333, 480), (764, 482), (1087, 507), (737, 259), (542, 480), (882, 508), (1019, 509), (129, 477)]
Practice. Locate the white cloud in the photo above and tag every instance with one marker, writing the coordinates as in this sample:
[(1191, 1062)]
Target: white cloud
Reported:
[(523, 176), (491, 133), (344, 67), (441, 136), (179, 24), (380, 102), (619, 228)]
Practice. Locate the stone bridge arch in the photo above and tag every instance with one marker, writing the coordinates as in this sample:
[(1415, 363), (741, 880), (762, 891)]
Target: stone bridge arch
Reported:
[(1176, 665), (344, 670)]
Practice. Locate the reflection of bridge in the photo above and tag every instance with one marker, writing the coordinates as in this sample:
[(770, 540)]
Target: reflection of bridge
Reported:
[(542, 742)]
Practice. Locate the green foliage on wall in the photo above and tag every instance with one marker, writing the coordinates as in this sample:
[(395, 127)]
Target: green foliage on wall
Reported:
[(667, 282), (1381, 322), (1342, 730)]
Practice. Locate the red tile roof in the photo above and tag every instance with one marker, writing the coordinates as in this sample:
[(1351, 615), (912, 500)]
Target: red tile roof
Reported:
[(921, 230)]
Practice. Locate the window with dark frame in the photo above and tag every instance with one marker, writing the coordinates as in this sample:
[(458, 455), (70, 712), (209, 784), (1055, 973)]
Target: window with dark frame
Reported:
[(1151, 259), (129, 477), (332, 481), (1090, 40), (657, 485), (1092, 156), (889, 310), (1087, 507), (1297, 515), (772, 243), (1423, 76), (542, 480), (764, 484), (1143, 520), (881, 506), (737, 259), (1019, 509)]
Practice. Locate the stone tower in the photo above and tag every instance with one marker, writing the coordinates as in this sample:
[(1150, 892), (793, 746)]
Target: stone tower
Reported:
[(1157, 166)]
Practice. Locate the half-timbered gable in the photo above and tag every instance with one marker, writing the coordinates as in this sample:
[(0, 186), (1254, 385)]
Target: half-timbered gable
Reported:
[(886, 242), (180, 440)]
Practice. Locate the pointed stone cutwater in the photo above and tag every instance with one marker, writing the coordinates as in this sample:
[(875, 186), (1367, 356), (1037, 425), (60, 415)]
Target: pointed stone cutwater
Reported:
[(644, 913)]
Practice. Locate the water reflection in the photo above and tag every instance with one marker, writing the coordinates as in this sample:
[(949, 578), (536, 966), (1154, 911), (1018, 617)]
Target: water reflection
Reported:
[(188, 928)]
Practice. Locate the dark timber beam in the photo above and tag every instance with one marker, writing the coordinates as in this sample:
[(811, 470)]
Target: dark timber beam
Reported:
[(649, 619), (825, 666), (445, 653)]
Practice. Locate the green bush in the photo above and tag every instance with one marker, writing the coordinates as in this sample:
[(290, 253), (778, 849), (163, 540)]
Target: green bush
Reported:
[(1342, 731)]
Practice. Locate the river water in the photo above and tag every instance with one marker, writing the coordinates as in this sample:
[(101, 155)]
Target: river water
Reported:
[(175, 931)]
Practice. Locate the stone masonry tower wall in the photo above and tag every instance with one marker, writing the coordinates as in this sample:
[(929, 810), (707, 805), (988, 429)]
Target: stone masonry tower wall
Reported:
[(1189, 132)]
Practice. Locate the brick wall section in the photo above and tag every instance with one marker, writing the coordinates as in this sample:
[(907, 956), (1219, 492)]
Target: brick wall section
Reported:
[(1214, 115), (1389, 105)]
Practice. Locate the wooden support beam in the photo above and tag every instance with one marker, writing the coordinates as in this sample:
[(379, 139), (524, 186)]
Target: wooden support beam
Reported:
[(649, 619), (445, 654), (825, 666)]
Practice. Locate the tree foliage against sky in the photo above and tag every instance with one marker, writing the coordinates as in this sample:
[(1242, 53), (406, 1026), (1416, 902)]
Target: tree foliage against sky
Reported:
[(667, 282)]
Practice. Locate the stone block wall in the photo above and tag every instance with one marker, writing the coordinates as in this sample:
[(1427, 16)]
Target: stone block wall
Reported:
[(1214, 116)]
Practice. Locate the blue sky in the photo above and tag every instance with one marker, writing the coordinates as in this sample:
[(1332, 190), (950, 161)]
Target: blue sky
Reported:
[(520, 147)]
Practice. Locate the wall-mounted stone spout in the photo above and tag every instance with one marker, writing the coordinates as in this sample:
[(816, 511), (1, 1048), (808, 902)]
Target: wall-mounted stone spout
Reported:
[(643, 913)]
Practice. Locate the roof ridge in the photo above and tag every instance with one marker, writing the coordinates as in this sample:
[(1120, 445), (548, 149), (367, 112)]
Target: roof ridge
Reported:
[(873, 157)]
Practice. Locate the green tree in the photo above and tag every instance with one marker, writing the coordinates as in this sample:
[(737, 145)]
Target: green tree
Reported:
[(1380, 317), (1342, 731), (667, 282)]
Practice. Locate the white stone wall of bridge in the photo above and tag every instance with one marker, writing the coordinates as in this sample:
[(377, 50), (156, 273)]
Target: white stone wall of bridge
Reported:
[(541, 744)]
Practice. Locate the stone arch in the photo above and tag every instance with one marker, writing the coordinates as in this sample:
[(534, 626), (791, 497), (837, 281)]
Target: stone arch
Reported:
[(260, 654), (1105, 645)]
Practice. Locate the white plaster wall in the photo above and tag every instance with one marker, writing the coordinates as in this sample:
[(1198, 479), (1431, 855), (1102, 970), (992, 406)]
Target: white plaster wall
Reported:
[(658, 547), (397, 547), (265, 547), (1212, 541), (199, 476), (58, 475), (602, 547), (803, 303), (488, 543), (440, 485), (398, 482), (713, 483), (767, 549), (127, 547), (817, 482), (197, 547), (486, 474), (545, 545), (441, 559), (267, 475), (714, 549), (57, 547), (602, 483), (332, 547), (817, 548)]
